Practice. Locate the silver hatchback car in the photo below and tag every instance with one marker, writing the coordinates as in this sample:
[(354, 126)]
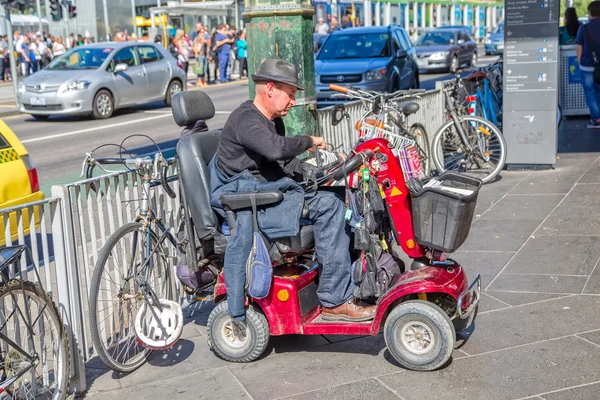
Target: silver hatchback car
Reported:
[(100, 78)]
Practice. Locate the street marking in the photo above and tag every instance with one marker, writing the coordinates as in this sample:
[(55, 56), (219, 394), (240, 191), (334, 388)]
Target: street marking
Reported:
[(98, 128), (169, 112)]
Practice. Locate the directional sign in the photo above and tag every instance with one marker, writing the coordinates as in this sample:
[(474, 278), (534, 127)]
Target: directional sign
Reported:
[(531, 55)]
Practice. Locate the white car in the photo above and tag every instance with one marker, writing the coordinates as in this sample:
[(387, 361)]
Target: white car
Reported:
[(100, 78)]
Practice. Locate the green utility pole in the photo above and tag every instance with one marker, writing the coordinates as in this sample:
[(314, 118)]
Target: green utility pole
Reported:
[(284, 29)]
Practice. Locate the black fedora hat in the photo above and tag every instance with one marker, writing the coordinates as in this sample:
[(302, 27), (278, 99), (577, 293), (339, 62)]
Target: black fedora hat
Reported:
[(276, 70)]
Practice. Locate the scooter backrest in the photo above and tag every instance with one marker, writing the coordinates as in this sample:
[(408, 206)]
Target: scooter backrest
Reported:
[(189, 107)]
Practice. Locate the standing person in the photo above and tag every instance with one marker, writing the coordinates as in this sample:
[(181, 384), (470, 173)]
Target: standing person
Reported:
[(22, 49), (568, 33), (183, 49), (3, 52), (200, 53), (242, 47), (588, 55), (44, 52), (335, 25), (322, 28), (198, 31), (58, 48), (158, 40), (223, 45), (232, 34)]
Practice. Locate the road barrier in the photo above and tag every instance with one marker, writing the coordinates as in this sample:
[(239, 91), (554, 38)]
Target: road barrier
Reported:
[(69, 229)]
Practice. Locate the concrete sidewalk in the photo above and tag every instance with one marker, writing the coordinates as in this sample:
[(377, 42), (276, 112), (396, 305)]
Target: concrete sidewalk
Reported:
[(534, 240)]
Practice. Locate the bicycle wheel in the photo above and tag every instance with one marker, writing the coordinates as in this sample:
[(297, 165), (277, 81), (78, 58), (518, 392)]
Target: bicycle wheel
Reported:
[(115, 295), (488, 154), (418, 133), (37, 346)]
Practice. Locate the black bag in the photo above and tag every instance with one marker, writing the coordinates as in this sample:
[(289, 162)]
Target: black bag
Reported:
[(595, 54), (374, 278)]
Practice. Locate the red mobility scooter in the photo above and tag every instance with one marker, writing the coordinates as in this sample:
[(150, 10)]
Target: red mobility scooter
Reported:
[(420, 311)]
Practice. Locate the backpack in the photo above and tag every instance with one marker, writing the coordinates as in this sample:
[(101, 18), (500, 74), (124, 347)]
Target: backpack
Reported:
[(588, 38)]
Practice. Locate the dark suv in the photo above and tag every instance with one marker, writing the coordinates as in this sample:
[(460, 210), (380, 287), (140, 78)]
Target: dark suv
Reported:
[(446, 49), (373, 58)]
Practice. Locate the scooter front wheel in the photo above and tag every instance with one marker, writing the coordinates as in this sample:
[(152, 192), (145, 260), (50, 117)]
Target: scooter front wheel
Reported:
[(237, 342), (419, 335)]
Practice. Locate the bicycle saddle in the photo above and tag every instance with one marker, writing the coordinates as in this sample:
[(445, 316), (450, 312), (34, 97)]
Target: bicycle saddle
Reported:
[(476, 76), (409, 108)]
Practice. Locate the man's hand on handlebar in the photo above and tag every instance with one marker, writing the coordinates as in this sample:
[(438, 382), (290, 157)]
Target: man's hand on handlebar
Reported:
[(319, 142)]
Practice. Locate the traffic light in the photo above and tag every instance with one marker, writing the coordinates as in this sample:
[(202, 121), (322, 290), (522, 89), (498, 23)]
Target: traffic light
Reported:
[(72, 10), (56, 10)]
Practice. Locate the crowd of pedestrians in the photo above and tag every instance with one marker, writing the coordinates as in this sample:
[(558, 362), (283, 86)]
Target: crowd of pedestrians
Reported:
[(35, 50), (221, 55)]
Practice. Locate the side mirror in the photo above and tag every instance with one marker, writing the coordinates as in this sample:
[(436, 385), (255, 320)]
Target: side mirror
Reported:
[(460, 41), (120, 68), (337, 114), (401, 53)]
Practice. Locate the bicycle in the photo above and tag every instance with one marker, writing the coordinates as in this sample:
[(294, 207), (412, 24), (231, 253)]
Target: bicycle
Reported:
[(486, 102), (131, 277), (34, 351), (386, 115), (467, 143)]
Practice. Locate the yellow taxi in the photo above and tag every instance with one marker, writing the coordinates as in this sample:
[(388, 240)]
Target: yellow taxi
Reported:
[(19, 182)]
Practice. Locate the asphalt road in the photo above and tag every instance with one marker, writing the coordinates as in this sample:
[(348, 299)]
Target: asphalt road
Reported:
[(58, 145)]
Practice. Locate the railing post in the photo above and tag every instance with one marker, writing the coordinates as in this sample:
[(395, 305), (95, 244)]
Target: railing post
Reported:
[(67, 276)]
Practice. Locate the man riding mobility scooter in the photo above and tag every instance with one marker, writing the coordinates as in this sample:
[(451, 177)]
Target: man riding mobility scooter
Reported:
[(420, 311)]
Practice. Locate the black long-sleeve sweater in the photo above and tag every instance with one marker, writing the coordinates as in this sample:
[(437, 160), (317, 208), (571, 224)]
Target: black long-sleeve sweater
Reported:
[(252, 141)]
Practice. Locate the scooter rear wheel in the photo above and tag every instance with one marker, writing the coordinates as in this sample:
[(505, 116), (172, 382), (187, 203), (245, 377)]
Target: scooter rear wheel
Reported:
[(229, 343), (419, 335)]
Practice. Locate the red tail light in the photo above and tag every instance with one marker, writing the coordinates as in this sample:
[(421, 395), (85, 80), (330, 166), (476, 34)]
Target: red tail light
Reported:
[(179, 64), (34, 182), (471, 99), (471, 110)]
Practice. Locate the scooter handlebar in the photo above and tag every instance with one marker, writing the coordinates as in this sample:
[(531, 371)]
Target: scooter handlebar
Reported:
[(353, 163)]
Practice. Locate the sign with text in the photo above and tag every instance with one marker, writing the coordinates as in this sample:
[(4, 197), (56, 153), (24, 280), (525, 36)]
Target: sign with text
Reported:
[(531, 79)]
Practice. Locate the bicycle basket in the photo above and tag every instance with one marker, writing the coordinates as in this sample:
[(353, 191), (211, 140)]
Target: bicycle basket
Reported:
[(442, 215)]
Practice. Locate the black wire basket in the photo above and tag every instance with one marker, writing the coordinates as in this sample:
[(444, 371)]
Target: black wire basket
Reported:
[(442, 218)]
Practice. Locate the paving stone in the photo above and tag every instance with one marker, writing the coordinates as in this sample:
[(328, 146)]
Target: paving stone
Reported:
[(217, 384), (516, 298), (486, 263), (593, 175), (593, 284), (539, 283), (499, 235), (532, 323), (368, 389), (567, 255), (588, 392), (578, 214), (558, 181), (188, 355), (100, 380), (513, 373), (488, 303), (524, 206), (593, 337), (324, 366)]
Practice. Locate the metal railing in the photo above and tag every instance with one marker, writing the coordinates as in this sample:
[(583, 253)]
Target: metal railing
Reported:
[(66, 235), (431, 114)]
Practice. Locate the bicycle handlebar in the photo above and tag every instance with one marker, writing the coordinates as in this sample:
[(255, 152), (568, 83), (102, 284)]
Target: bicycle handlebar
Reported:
[(338, 88)]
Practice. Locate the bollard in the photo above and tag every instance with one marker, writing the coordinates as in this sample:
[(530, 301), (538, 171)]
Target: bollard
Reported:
[(284, 29)]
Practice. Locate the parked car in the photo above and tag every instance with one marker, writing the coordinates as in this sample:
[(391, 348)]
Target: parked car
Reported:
[(446, 49), (495, 43), (100, 78), (19, 183), (373, 58)]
